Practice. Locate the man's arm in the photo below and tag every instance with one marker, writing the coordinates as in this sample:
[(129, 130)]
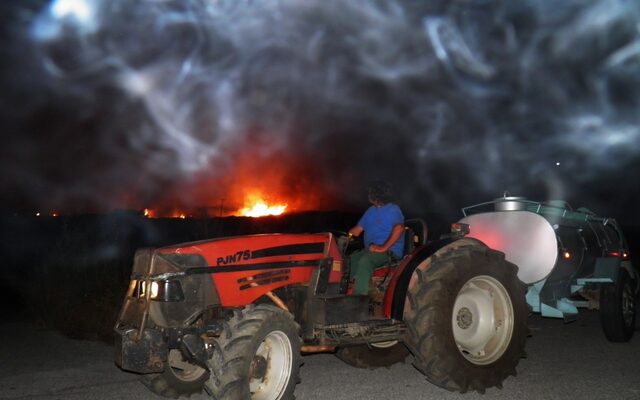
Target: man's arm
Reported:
[(396, 233)]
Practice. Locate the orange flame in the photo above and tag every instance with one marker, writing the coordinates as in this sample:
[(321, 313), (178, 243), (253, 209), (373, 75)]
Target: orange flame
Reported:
[(255, 206)]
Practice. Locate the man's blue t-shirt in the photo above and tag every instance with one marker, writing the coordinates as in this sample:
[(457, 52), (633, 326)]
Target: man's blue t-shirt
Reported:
[(378, 222)]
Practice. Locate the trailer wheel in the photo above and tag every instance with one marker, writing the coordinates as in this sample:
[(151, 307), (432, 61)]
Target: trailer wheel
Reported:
[(617, 308), (466, 318), (257, 356), (180, 378), (372, 357)]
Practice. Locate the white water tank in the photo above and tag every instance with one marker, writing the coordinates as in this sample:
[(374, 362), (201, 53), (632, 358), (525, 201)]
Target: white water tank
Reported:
[(526, 239)]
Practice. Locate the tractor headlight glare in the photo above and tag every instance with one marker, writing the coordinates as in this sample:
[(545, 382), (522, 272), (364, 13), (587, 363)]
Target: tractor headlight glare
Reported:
[(154, 290), (166, 291)]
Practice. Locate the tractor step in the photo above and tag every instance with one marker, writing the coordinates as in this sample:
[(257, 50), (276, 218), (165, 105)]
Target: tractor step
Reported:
[(340, 309), (370, 331)]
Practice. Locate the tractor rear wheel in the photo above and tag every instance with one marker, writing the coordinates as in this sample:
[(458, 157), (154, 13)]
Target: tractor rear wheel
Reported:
[(617, 308), (372, 356), (466, 316), (180, 378), (257, 356)]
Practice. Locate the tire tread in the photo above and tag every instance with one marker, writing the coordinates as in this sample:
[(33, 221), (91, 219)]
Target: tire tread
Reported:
[(429, 337)]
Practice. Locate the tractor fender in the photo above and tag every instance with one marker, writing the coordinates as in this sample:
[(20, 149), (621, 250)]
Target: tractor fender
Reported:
[(397, 291), (609, 267), (633, 273)]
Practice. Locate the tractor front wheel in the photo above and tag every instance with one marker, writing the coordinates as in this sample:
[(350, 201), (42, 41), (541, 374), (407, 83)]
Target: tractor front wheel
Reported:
[(257, 356), (180, 378), (466, 316)]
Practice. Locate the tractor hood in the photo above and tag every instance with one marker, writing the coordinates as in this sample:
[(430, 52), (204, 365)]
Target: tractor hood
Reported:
[(244, 268), (175, 284)]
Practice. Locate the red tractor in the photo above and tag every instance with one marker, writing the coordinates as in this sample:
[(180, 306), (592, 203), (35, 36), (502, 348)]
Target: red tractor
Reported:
[(233, 315)]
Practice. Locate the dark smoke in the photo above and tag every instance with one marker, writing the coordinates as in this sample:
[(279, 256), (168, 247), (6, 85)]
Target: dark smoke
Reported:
[(110, 103)]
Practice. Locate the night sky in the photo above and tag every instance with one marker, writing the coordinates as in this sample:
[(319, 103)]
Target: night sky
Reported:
[(122, 104)]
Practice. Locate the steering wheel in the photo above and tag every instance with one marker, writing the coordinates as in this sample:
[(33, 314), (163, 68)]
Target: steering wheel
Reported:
[(342, 240), (345, 243)]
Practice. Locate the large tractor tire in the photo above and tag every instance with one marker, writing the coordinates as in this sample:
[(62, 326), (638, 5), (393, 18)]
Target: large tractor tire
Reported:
[(466, 316), (617, 308), (179, 378), (373, 356), (257, 356)]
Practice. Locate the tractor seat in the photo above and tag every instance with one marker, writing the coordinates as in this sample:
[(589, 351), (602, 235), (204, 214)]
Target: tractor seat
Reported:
[(415, 234)]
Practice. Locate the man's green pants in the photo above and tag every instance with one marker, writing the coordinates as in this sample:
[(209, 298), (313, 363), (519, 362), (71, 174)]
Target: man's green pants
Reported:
[(363, 262)]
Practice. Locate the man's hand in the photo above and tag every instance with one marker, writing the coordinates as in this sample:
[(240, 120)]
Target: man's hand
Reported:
[(355, 231), (396, 232)]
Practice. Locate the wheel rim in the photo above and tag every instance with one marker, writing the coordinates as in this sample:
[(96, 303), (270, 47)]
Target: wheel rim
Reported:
[(271, 367), (384, 345), (482, 320), (628, 305), (182, 369)]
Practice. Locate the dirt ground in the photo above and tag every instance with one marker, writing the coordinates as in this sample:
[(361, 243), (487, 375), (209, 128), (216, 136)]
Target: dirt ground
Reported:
[(564, 361)]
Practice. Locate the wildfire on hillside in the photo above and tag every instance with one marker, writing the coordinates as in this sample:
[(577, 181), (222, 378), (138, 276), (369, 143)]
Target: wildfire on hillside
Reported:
[(252, 185), (259, 185), (255, 206)]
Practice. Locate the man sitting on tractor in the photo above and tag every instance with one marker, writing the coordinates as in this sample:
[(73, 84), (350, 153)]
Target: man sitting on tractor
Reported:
[(383, 227)]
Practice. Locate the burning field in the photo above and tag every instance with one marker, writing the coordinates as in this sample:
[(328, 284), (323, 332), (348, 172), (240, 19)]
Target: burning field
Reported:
[(254, 187)]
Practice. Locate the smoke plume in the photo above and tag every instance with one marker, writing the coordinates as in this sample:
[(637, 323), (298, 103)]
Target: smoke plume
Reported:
[(118, 103)]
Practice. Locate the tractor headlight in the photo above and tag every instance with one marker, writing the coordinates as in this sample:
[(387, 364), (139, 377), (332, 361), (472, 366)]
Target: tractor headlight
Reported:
[(154, 290), (166, 291), (158, 290)]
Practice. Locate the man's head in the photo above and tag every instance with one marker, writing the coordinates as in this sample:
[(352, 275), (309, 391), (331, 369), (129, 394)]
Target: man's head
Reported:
[(380, 192)]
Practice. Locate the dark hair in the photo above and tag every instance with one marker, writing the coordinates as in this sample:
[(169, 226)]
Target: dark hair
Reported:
[(380, 191)]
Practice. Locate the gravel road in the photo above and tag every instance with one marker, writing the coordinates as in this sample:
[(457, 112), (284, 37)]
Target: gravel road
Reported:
[(565, 361)]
